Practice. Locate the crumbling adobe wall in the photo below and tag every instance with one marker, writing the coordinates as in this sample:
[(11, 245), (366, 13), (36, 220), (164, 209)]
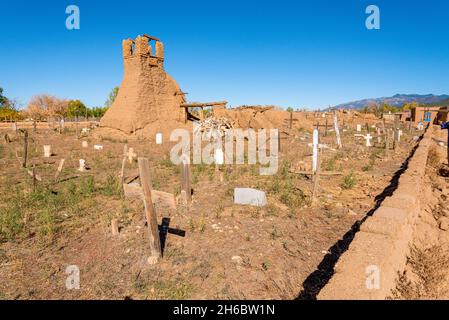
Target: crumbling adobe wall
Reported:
[(147, 93), (384, 238)]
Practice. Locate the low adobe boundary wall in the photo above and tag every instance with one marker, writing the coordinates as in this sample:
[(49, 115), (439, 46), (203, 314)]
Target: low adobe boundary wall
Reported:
[(369, 268)]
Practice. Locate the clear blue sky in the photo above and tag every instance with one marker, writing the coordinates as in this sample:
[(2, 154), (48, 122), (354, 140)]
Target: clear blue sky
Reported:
[(288, 53)]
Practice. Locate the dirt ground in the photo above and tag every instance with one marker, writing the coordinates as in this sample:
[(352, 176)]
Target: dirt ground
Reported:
[(228, 251)]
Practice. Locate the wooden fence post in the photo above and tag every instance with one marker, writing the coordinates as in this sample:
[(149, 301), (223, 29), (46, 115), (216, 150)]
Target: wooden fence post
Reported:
[(396, 132), (150, 213), (25, 149)]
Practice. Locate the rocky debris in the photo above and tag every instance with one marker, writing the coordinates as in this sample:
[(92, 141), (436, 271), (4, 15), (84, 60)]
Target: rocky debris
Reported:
[(214, 127), (444, 223)]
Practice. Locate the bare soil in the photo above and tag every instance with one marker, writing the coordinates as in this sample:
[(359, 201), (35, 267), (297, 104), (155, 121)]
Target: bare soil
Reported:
[(227, 252)]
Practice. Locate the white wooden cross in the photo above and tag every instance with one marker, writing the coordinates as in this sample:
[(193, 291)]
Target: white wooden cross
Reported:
[(368, 139), (337, 131), (131, 155), (315, 151), (399, 135)]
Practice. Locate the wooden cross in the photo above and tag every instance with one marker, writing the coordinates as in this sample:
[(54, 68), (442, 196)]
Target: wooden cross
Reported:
[(316, 168), (368, 137)]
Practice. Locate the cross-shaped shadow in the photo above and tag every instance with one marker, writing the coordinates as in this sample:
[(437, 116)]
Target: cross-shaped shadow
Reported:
[(165, 229)]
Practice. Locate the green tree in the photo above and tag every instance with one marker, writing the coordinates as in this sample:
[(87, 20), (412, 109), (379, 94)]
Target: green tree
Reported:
[(8, 108), (410, 106), (290, 109), (75, 108), (112, 97), (3, 99)]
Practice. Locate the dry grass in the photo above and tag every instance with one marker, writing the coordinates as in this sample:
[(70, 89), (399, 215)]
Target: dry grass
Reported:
[(433, 159), (429, 274)]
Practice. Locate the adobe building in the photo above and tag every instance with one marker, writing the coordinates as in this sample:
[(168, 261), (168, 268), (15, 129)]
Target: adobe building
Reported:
[(147, 96), (429, 114), (402, 116)]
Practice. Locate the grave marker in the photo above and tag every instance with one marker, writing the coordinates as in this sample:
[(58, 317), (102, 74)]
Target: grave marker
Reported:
[(122, 171), (25, 149), (315, 150), (58, 172), (82, 166), (337, 131), (158, 138), (150, 213), (131, 155), (47, 151), (186, 191)]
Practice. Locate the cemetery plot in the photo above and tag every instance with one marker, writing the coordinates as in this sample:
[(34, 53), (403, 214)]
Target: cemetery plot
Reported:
[(140, 227)]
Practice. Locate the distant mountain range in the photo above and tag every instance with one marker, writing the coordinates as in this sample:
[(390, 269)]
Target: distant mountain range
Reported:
[(398, 100)]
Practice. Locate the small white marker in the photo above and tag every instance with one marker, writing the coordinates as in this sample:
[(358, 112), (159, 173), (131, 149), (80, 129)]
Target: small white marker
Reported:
[(158, 138), (47, 151)]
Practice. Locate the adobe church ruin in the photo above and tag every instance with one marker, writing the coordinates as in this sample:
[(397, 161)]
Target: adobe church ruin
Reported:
[(147, 94)]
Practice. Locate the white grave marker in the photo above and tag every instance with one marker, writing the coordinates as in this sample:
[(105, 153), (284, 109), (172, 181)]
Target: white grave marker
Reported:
[(337, 131), (219, 156), (131, 155), (82, 167), (368, 138), (359, 128), (315, 150), (158, 138), (98, 147), (47, 151), (84, 144)]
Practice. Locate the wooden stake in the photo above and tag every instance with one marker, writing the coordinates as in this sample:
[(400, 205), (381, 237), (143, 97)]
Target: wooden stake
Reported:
[(114, 227), (396, 132), (291, 120), (316, 179), (337, 131), (25, 149), (279, 142), (61, 165), (34, 178), (325, 130), (122, 172), (185, 180), (150, 213)]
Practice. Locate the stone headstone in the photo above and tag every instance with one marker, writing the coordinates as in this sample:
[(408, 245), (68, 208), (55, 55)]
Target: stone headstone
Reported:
[(248, 196)]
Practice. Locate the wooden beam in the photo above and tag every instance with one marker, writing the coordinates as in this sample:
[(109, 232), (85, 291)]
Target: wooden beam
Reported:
[(150, 213), (151, 37), (203, 104), (324, 173)]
